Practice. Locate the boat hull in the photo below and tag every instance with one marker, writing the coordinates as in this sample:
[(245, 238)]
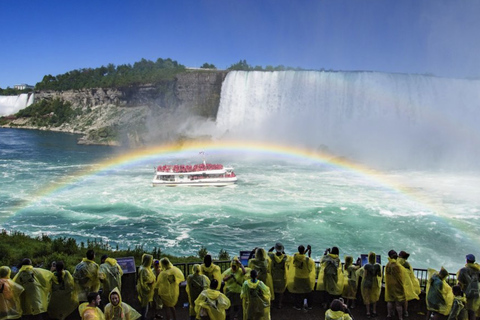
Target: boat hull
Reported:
[(195, 183)]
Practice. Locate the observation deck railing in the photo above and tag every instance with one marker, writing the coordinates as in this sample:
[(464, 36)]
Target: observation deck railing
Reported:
[(421, 274)]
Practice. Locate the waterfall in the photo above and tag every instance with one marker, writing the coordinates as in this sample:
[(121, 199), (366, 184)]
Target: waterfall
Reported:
[(12, 104), (366, 116)]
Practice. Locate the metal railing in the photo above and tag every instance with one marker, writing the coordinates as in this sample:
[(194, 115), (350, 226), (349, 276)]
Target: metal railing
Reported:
[(420, 274)]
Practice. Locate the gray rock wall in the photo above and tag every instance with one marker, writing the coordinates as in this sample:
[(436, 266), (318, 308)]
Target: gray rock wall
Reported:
[(198, 91)]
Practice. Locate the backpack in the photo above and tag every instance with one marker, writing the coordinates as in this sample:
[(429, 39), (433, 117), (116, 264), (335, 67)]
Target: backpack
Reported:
[(472, 290), (331, 269), (257, 302)]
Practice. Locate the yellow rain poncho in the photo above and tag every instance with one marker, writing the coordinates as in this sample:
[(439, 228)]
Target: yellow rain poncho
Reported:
[(301, 274), (212, 272), (336, 315), (10, 307), (213, 302), (90, 313), (439, 295), (121, 311), (262, 264), (350, 279), (330, 277), (278, 267), (412, 285), (87, 278), (145, 281), (113, 275), (459, 311), (255, 300), (168, 283), (468, 279), (196, 283), (394, 281), (36, 282), (371, 284), (64, 298), (233, 286)]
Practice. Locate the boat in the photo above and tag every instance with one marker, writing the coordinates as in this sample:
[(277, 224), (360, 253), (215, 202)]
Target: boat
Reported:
[(198, 175)]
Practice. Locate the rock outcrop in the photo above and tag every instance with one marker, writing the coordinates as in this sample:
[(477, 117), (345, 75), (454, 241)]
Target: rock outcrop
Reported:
[(135, 115)]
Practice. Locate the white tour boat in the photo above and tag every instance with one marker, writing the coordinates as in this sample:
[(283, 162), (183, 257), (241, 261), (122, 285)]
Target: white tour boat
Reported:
[(204, 174)]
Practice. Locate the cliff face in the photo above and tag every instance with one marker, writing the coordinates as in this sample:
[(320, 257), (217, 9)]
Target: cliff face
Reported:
[(135, 115)]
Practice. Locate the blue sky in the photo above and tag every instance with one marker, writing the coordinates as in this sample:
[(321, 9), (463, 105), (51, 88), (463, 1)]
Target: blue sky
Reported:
[(407, 36)]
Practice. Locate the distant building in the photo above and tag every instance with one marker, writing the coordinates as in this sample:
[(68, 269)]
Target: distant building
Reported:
[(22, 86)]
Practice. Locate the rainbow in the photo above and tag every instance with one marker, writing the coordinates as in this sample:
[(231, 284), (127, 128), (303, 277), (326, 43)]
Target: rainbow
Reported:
[(154, 154)]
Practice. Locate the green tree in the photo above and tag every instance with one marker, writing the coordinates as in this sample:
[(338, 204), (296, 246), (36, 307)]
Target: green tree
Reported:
[(208, 66), (240, 65)]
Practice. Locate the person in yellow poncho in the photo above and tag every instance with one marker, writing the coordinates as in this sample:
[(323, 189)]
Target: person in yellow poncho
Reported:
[(394, 285), (64, 298), (439, 296), (350, 279), (119, 310), (211, 304), (234, 278), (112, 276), (412, 285), (10, 306), (371, 284), (278, 269), (338, 311), (167, 284), (145, 284), (89, 310), (212, 271), (459, 311), (469, 280), (37, 285), (262, 264), (330, 276), (196, 283), (301, 277), (255, 297), (87, 276)]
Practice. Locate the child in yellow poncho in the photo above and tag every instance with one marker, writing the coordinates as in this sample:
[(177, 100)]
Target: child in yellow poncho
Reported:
[(338, 311), (211, 303)]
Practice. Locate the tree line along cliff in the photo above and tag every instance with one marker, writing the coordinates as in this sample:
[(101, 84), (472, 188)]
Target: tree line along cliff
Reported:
[(125, 115)]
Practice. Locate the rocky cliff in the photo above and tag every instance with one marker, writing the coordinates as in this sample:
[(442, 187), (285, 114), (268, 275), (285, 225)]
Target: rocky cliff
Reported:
[(137, 115)]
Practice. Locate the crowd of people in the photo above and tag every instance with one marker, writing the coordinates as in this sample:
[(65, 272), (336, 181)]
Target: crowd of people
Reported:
[(240, 291)]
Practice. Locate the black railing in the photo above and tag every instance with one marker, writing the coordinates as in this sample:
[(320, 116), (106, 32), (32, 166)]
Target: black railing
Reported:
[(421, 274)]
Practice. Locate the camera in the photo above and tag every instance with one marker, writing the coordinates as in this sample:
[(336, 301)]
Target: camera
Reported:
[(327, 251)]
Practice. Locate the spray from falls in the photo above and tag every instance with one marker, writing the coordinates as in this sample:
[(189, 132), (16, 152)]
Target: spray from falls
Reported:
[(378, 118)]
